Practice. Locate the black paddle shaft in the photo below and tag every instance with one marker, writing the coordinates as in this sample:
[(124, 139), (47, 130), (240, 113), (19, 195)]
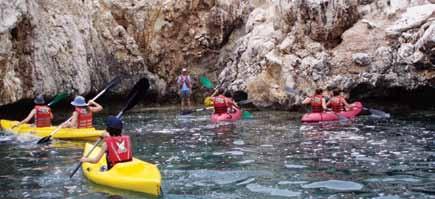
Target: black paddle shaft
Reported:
[(136, 94)]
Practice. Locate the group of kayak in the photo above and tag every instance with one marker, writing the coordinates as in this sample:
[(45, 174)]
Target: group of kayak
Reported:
[(112, 164), (330, 108)]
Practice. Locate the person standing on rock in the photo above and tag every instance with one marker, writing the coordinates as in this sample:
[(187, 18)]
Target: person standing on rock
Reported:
[(82, 115), (184, 83), (41, 113), (317, 101)]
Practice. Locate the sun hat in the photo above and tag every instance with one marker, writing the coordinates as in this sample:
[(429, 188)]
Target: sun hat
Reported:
[(39, 99), (79, 101), (113, 122)]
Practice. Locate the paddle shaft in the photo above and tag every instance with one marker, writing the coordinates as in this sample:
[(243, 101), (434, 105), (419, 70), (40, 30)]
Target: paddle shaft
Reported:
[(87, 155)]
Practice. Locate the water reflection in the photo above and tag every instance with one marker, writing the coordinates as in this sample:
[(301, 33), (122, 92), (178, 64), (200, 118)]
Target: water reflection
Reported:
[(269, 156)]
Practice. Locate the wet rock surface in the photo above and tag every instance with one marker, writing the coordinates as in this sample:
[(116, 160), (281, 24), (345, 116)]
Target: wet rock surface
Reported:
[(260, 47)]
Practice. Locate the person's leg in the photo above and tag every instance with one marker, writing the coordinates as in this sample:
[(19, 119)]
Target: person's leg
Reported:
[(182, 100), (189, 106)]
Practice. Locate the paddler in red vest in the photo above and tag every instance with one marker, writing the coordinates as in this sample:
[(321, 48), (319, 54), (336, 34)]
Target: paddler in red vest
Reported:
[(317, 102), (82, 115), (116, 146), (338, 103), (41, 113), (221, 103)]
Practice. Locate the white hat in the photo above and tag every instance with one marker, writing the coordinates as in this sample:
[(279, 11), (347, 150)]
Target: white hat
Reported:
[(184, 70)]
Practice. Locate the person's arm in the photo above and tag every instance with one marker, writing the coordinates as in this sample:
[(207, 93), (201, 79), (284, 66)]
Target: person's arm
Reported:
[(214, 93), (307, 100), (96, 158), (51, 115), (233, 104), (328, 104), (190, 82), (346, 105), (95, 106), (324, 104), (27, 119), (73, 122)]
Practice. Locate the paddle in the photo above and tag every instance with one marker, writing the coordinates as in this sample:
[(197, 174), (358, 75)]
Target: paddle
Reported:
[(342, 119), (59, 97), (135, 95), (109, 86), (205, 82), (377, 113)]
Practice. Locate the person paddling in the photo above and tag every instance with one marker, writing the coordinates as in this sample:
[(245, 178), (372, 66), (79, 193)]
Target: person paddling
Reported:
[(184, 83), (317, 102), (338, 103), (82, 115), (41, 114), (116, 146), (222, 103)]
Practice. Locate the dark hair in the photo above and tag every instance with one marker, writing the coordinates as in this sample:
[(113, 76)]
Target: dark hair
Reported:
[(336, 92), (220, 91), (319, 91), (228, 94), (114, 131)]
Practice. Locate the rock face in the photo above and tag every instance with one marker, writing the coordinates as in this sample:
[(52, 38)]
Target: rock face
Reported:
[(276, 51)]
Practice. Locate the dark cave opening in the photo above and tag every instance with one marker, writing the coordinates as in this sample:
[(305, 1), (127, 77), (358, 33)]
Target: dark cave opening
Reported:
[(396, 98)]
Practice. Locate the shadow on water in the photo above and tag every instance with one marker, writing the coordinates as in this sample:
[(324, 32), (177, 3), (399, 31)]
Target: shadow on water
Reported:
[(270, 156)]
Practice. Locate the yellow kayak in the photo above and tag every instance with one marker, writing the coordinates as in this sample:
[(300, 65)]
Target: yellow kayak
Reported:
[(88, 134), (135, 175), (208, 102)]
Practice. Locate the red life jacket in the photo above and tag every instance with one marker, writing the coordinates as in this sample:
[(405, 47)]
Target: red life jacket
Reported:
[(42, 116), (336, 104), (184, 79), (84, 119), (220, 104), (316, 104), (118, 150)]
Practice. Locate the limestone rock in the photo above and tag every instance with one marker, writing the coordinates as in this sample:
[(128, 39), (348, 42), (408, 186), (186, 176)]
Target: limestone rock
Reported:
[(361, 59), (414, 17), (260, 47)]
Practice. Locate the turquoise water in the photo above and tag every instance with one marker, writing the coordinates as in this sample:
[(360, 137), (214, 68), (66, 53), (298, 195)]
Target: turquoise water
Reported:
[(270, 156)]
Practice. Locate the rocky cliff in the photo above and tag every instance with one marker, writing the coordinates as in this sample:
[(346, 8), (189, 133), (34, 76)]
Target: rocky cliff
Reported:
[(275, 50)]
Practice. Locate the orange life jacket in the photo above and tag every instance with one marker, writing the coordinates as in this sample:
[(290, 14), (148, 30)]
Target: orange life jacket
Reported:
[(42, 116), (84, 119), (337, 104), (118, 150), (220, 104), (316, 104)]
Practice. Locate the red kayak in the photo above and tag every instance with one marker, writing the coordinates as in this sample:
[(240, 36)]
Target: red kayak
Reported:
[(227, 117), (331, 116)]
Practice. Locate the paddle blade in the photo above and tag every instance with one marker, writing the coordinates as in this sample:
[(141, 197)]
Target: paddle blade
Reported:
[(136, 94), (205, 82), (44, 140), (247, 115), (59, 97), (379, 113)]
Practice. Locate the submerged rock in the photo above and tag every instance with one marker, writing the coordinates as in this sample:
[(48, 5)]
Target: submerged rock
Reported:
[(335, 185)]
